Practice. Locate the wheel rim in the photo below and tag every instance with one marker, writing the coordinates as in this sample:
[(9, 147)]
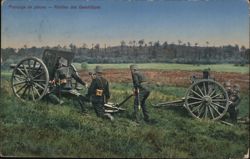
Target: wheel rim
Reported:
[(207, 99), (30, 79)]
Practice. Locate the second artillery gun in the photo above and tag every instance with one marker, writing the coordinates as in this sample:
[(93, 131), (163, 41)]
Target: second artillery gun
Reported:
[(204, 99)]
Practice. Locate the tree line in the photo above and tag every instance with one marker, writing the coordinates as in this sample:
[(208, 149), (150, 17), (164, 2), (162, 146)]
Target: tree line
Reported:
[(139, 51)]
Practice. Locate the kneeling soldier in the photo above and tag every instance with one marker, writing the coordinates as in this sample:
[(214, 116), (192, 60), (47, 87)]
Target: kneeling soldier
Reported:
[(141, 92), (99, 93)]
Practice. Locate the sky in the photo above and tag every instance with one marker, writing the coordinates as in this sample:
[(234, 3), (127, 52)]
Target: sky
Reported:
[(53, 22)]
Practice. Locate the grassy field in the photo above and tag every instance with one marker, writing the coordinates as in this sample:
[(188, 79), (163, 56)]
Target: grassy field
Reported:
[(46, 130), (173, 67)]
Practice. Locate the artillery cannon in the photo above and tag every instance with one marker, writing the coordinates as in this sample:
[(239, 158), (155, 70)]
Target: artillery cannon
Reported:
[(32, 79), (204, 99)]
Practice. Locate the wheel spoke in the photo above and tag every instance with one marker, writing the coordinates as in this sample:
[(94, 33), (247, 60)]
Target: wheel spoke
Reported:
[(211, 112), (216, 96), (33, 97), (38, 69), (199, 113), (21, 72), (215, 109), (20, 77), (189, 97), (196, 93), (205, 114), (219, 100), (21, 82), (195, 103), (24, 91), (20, 89), (200, 90), (196, 108), (218, 105), (37, 91), (212, 93), (38, 85), (38, 75), (29, 68), (204, 87), (34, 65), (25, 69), (29, 93)]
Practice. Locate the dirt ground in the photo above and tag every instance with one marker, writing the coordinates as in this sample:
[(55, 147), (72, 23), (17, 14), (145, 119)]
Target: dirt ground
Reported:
[(174, 78)]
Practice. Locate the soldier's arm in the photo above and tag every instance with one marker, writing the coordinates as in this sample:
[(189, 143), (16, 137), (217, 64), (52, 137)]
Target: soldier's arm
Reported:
[(107, 93), (237, 102), (78, 79), (91, 89)]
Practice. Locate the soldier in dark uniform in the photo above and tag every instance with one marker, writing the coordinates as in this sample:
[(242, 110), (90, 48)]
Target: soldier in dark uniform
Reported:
[(206, 73), (141, 92), (99, 93), (62, 82), (234, 98)]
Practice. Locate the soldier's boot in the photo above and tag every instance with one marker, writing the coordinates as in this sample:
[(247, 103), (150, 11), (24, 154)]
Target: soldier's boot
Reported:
[(109, 116), (54, 99)]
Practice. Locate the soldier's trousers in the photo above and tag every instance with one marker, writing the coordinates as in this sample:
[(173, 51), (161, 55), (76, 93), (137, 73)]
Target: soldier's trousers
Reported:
[(233, 113), (98, 104), (143, 95)]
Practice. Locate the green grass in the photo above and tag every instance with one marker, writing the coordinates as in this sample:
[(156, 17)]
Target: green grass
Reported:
[(46, 130), (173, 67)]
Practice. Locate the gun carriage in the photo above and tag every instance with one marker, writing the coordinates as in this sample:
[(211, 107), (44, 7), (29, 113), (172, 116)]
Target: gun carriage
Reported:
[(204, 99)]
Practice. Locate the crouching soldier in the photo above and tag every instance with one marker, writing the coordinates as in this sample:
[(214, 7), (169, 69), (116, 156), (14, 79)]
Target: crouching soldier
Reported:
[(63, 84), (99, 93), (141, 93)]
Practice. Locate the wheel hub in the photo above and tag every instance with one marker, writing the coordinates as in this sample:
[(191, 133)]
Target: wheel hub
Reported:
[(29, 81), (207, 99)]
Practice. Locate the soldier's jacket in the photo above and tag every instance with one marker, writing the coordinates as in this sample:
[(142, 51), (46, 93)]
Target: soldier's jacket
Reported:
[(99, 83), (64, 74), (138, 79), (235, 99)]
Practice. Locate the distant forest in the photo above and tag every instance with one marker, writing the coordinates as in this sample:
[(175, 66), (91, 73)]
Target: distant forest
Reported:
[(141, 52)]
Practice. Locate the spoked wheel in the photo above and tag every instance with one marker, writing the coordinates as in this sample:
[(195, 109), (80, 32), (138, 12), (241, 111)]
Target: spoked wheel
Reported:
[(207, 99), (30, 79)]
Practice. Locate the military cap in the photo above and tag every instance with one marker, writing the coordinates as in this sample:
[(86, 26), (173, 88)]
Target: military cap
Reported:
[(98, 69), (236, 87), (227, 84), (62, 61), (133, 67)]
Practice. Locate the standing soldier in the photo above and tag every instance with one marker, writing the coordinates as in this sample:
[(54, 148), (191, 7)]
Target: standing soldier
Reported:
[(234, 98), (141, 92), (233, 108), (99, 93), (206, 73)]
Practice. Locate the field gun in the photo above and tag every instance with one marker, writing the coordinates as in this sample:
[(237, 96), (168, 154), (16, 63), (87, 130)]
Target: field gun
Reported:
[(204, 99)]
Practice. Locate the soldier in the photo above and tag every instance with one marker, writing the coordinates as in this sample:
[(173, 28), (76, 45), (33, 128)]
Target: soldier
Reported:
[(141, 92), (233, 108), (234, 99), (206, 73), (99, 93), (63, 75), (92, 75)]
